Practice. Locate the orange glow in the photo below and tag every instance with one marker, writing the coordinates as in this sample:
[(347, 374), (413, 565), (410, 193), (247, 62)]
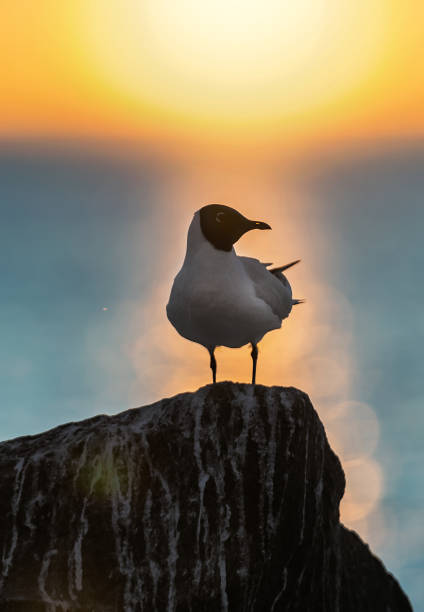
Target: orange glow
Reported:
[(259, 72)]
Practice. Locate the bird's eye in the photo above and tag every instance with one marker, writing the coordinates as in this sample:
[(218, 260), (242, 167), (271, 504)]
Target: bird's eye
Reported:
[(218, 217)]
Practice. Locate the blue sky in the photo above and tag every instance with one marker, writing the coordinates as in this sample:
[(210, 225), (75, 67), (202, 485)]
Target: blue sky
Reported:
[(81, 231)]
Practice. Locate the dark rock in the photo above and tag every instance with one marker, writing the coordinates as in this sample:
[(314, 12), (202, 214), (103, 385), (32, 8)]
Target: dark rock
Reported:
[(223, 499)]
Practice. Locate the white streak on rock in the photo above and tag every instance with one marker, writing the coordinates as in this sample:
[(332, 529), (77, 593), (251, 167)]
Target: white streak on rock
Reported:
[(288, 404), (223, 579), (7, 557), (121, 509), (31, 505), (172, 516), (280, 593), (155, 570), (75, 562), (270, 466), (223, 525), (319, 487), (53, 604), (203, 478), (246, 405), (305, 485), (77, 548)]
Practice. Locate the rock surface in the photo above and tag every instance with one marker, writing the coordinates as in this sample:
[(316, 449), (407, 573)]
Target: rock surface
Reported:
[(223, 499)]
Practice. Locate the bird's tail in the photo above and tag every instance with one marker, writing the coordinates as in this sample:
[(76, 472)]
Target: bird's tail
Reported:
[(282, 268), (295, 302)]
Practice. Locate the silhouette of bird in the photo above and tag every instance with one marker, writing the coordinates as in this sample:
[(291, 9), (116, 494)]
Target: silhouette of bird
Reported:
[(221, 299)]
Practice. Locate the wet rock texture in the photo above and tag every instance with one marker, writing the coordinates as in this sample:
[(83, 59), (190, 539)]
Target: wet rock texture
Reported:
[(223, 499)]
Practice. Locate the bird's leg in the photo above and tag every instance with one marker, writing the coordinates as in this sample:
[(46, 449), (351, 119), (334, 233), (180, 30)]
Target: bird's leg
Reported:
[(254, 354), (213, 364)]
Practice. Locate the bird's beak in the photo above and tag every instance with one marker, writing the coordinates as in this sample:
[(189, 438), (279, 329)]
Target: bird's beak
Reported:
[(258, 225), (246, 225)]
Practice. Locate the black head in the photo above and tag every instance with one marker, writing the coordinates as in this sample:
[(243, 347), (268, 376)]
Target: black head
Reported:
[(222, 226)]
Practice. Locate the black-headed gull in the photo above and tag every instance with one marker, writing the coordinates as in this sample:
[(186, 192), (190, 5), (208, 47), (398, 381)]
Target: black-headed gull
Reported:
[(221, 299)]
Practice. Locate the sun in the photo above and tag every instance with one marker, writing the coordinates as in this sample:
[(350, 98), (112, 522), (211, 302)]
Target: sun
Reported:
[(234, 62)]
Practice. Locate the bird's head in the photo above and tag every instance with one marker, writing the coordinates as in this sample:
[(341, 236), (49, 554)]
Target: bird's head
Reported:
[(222, 225)]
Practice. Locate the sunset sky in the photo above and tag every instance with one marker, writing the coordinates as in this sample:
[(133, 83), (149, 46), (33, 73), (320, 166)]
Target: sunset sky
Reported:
[(120, 119)]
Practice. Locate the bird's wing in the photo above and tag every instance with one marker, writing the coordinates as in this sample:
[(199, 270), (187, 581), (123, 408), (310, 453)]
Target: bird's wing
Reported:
[(273, 289)]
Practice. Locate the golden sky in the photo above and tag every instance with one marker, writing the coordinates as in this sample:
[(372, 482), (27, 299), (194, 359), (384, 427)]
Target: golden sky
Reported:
[(213, 71)]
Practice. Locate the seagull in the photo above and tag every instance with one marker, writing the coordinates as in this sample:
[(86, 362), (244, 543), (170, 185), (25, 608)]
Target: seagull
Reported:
[(221, 299)]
